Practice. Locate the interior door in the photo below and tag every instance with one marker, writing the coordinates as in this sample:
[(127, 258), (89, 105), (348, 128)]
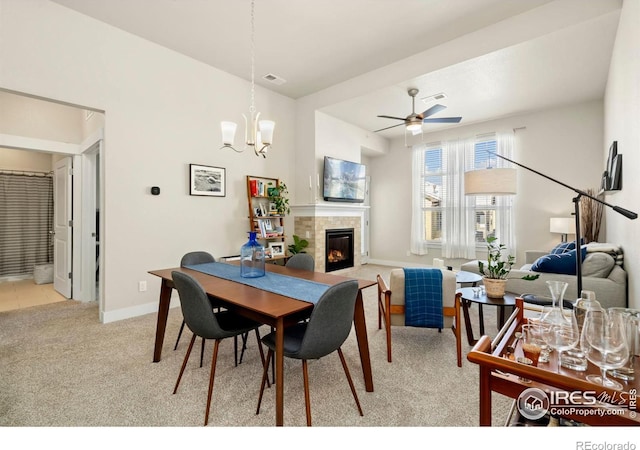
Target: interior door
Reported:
[(62, 216)]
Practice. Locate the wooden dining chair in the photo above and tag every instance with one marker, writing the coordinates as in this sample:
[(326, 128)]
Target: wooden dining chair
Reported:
[(325, 332), (391, 309)]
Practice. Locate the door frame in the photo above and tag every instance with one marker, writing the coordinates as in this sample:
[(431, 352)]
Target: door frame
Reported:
[(87, 181), (81, 153)]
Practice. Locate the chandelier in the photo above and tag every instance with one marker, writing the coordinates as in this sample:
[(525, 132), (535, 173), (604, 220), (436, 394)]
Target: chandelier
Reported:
[(258, 133)]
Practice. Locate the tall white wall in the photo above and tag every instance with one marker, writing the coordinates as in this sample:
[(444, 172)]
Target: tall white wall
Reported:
[(162, 112), (622, 124), (564, 143)]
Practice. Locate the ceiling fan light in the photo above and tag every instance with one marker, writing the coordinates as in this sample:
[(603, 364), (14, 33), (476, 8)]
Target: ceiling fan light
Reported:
[(414, 127)]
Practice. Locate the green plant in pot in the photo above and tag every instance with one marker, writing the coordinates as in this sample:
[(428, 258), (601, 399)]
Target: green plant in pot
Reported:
[(497, 268), (278, 195), (298, 245)]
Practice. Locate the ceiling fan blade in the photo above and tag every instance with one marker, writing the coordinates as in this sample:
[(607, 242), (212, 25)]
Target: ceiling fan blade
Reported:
[(392, 126), (434, 109), (392, 117), (443, 120)]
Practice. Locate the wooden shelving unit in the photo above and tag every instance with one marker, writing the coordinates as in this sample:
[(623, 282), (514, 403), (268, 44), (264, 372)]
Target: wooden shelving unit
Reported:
[(263, 219)]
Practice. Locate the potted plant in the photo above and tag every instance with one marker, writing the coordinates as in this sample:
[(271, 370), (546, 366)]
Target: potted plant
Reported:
[(298, 245), (277, 195), (497, 268)]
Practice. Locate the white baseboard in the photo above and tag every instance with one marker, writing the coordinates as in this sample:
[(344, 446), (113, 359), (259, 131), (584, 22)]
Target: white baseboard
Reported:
[(135, 311)]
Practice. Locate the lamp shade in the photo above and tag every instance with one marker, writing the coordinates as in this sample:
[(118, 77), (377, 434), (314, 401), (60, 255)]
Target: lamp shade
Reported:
[(562, 225), (490, 182), (266, 131), (228, 132)]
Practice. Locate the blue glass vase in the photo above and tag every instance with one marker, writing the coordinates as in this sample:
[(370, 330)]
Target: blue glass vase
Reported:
[(252, 258)]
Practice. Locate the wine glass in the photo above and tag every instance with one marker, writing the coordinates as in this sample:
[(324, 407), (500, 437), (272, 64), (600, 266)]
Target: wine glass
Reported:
[(631, 320), (604, 343), (560, 331)]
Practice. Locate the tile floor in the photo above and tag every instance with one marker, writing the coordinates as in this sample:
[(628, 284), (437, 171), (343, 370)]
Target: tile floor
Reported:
[(25, 293)]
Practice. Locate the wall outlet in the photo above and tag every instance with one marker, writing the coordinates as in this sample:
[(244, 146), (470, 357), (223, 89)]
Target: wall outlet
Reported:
[(142, 286), (307, 235), (408, 252)]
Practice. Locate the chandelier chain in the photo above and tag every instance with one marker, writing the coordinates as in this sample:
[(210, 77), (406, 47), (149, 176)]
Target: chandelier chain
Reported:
[(252, 108)]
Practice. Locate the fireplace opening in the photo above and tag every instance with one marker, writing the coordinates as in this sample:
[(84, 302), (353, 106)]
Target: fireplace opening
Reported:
[(338, 249)]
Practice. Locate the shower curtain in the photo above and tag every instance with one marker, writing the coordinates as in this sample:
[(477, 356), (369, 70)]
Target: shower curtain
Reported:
[(26, 218)]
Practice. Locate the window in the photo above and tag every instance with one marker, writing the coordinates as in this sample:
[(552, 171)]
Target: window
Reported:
[(447, 217), (432, 194), (484, 206)]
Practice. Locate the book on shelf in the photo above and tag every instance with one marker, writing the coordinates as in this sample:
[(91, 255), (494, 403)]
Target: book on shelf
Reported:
[(254, 187)]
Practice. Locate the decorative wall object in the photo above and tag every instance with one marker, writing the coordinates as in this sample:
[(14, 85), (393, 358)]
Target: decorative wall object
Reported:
[(207, 180), (612, 176)]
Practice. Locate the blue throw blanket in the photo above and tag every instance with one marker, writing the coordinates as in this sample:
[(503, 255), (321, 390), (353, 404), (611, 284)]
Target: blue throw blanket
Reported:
[(308, 291), (423, 298)]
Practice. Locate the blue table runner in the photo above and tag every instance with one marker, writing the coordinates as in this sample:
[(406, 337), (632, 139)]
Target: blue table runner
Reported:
[(298, 288)]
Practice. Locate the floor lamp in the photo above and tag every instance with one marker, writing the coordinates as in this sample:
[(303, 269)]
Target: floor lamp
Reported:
[(576, 202)]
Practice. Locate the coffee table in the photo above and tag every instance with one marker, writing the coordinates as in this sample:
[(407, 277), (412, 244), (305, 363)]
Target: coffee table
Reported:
[(471, 278), (468, 297)]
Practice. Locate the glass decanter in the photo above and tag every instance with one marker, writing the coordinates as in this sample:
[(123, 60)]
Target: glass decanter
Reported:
[(559, 325), (252, 258)]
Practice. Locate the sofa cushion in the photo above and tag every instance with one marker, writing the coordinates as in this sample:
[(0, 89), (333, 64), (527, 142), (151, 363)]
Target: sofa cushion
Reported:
[(562, 263), (563, 247), (597, 265)]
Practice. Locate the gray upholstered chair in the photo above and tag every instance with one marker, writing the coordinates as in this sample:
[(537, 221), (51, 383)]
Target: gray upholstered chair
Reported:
[(302, 261), (203, 322), (391, 308), (324, 333), (200, 257)]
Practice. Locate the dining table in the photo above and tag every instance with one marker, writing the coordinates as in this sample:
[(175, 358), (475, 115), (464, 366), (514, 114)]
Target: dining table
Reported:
[(277, 310)]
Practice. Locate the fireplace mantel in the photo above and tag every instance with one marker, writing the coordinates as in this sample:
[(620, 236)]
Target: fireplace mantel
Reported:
[(329, 209)]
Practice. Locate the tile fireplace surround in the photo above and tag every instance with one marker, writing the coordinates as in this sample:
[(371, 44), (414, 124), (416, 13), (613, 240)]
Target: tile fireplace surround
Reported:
[(311, 222)]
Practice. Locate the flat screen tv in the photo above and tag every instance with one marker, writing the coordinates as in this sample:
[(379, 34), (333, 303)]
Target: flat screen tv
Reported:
[(343, 181)]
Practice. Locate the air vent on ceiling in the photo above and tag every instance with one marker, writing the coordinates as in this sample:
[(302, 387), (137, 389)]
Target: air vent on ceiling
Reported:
[(434, 97), (275, 79)]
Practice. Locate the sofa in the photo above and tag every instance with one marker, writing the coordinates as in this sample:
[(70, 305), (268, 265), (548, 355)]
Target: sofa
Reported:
[(602, 273)]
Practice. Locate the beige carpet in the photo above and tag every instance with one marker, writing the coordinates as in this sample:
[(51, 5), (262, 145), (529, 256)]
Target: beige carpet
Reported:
[(60, 367)]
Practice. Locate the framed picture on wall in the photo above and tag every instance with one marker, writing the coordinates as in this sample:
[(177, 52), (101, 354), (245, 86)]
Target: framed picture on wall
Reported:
[(207, 180)]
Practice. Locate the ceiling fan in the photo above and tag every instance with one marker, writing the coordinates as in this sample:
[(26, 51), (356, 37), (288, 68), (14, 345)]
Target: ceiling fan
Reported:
[(414, 121)]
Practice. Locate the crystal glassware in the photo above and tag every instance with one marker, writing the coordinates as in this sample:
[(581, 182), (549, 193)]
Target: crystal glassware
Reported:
[(532, 342), (604, 343), (252, 258), (631, 321), (560, 329)]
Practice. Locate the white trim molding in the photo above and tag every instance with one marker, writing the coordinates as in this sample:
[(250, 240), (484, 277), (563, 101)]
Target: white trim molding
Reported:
[(329, 210)]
